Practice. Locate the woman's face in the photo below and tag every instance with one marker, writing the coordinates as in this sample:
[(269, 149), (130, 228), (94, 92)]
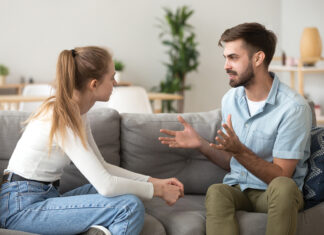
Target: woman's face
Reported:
[(105, 86)]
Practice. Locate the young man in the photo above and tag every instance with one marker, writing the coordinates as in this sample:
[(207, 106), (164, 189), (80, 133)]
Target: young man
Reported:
[(264, 141)]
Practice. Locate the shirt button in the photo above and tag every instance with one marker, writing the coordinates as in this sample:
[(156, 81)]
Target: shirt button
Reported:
[(246, 125), (242, 174)]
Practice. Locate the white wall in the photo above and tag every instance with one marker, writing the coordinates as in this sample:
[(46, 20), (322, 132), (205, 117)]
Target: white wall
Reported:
[(33, 33), (296, 15)]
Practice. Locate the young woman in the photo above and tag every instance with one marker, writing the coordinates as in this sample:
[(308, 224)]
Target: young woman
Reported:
[(29, 197)]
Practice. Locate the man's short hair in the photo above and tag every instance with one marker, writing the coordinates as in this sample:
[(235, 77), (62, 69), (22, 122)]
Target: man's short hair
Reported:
[(256, 37)]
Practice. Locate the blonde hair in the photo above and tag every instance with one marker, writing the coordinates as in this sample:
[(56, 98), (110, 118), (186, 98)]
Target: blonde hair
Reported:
[(74, 69)]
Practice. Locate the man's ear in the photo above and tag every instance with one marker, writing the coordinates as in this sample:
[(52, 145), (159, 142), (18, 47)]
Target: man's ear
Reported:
[(259, 58)]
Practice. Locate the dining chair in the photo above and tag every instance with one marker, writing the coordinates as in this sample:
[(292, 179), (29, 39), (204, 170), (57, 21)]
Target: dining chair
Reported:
[(129, 99), (35, 90)]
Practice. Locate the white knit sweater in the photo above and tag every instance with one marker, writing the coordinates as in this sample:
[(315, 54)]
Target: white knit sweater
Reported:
[(31, 160)]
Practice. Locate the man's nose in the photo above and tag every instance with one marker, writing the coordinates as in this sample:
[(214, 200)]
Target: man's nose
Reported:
[(227, 65)]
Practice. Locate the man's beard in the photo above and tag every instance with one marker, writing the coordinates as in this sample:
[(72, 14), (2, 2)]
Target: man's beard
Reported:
[(244, 79)]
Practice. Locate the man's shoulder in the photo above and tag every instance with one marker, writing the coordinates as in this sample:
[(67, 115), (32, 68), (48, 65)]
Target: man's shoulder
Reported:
[(290, 98)]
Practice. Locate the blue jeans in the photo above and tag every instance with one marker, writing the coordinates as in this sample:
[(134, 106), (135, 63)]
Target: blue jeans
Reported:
[(39, 208)]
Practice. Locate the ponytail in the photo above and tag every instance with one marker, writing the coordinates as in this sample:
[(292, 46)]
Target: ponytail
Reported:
[(74, 69), (66, 111)]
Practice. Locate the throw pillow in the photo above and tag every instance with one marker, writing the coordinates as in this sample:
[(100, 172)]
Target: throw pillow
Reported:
[(314, 181)]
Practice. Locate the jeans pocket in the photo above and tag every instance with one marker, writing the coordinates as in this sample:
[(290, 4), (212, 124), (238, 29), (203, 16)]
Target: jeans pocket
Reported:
[(34, 192), (4, 209)]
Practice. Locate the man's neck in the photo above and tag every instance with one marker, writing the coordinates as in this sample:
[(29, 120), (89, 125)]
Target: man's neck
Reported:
[(260, 88)]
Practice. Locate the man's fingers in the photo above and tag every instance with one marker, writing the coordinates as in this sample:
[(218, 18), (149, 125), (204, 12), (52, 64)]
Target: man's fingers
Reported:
[(168, 132), (182, 121), (229, 121), (166, 139), (220, 140), (222, 134), (217, 146), (228, 130)]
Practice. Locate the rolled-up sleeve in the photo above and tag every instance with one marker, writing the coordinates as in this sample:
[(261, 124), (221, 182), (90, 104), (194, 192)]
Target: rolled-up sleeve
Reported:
[(293, 133)]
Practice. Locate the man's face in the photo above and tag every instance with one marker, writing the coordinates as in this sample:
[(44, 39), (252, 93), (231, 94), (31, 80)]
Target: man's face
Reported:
[(238, 64)]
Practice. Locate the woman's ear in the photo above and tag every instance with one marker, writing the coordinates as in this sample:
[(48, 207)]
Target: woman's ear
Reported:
[(93, 84), (259, 58)]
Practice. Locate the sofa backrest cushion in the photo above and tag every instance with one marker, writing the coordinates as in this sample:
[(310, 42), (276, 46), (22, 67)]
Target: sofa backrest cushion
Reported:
[(10, 131), (142, 152), (105, 125), (314, 181)]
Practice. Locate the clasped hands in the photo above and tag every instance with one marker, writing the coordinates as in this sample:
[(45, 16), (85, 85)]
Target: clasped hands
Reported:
[(170, 190)]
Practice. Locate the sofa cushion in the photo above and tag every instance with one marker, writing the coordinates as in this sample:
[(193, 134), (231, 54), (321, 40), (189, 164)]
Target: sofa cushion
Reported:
[(141, 151), (152, 226), (186, 217), (314, 181), (105, 127), (10, 132)]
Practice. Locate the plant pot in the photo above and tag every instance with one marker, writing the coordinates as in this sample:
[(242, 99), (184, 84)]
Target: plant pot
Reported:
[(118, 76), (2, 80), (310, 46)]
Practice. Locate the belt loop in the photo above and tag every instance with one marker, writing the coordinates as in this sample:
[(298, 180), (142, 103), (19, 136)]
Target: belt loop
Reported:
[(9, 177)]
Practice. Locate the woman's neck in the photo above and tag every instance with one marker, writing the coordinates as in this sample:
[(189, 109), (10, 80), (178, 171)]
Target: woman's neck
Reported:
[(84, 101)]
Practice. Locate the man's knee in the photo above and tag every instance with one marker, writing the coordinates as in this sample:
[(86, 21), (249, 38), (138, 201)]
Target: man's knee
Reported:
[(283, 188), (217, 193)]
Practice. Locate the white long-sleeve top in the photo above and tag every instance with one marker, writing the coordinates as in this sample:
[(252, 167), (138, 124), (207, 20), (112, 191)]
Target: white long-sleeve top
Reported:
[(31, 160)]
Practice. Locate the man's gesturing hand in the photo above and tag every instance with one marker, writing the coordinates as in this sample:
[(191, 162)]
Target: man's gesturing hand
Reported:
[(188, 138), (228, 142)]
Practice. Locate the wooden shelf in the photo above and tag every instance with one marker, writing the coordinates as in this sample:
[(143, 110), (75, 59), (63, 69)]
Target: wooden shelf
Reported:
[(320, 121), (300, 70)]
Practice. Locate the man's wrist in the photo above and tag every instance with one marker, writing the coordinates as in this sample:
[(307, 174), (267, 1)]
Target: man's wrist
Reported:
[(241, 150), (203, 144)]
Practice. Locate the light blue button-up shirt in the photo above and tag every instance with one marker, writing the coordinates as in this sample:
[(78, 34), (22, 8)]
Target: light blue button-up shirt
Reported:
[(281, 129)]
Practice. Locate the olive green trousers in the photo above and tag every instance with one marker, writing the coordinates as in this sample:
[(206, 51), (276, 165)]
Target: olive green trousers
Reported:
[(282, 200)]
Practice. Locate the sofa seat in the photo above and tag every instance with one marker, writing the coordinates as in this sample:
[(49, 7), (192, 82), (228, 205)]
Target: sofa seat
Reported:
[(188, 217)]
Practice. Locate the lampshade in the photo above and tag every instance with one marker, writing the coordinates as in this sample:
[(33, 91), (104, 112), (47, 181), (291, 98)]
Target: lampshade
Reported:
[(310, 46)]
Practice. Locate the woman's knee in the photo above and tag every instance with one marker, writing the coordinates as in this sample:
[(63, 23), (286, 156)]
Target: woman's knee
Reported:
[(135, 204)]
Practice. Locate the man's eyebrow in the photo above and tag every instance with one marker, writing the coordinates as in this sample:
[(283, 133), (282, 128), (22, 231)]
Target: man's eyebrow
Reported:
[(230, 55)]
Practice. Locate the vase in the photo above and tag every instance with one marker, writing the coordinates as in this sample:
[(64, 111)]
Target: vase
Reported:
[(2, 80), (310, 46)]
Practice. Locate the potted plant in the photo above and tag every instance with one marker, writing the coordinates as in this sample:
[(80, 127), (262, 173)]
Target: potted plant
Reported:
[(4, 71), (119, 67), (183, 55)]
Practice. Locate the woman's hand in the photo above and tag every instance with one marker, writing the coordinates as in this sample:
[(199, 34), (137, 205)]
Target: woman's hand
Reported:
[(170, 190), (188, 138)]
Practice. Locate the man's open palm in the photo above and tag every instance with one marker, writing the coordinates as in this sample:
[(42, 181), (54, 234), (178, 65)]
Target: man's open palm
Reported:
[(188, 138)]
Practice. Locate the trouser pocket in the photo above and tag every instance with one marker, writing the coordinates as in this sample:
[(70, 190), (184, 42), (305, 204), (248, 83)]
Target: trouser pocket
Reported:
[(35, 192)]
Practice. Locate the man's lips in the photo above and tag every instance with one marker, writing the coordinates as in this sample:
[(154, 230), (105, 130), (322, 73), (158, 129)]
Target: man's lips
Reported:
[(231, 75)]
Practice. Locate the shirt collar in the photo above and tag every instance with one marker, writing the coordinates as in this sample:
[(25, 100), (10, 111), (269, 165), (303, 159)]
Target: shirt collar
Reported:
[(271, 99)]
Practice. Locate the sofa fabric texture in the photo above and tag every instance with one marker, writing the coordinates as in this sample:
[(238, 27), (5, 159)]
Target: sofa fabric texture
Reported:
[(131, 140)]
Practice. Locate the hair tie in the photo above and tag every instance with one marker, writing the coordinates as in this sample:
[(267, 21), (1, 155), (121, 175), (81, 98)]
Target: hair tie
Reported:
[(73, 53)]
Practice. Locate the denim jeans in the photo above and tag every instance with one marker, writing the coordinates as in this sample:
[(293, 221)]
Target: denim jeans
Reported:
[(39, 208)]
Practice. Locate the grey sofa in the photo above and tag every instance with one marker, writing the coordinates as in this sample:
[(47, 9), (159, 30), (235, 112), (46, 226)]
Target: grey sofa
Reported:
[(131, 141)]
